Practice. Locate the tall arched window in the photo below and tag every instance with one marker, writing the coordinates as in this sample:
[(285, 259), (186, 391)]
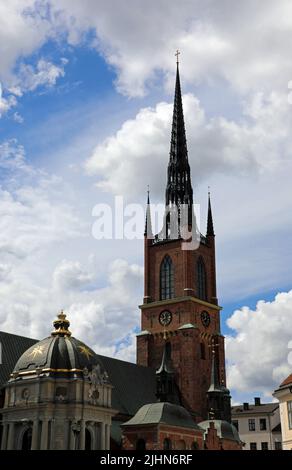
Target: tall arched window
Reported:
[(26, 439), (201, 280), (166, 279), (88, 441)]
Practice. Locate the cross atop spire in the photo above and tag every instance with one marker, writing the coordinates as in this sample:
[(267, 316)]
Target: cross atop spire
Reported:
[(177, 54)]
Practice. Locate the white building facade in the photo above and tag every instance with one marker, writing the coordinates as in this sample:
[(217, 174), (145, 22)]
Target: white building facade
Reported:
[(258, 425)]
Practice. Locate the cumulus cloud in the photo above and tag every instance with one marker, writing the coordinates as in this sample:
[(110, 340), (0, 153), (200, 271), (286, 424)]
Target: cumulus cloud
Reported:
[(104, 317), (246, 45), (261, 141), (257, 354), (37, 221)]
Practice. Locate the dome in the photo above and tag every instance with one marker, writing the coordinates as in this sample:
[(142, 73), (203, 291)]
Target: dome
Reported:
[(163, 413), (224, 429), (59, 355)]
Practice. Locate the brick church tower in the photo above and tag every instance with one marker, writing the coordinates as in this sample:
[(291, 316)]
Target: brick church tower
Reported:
[(180, 304)]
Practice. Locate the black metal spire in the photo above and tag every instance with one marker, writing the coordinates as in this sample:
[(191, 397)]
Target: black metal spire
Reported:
[(148, 225), (179, 187), (210, 226)]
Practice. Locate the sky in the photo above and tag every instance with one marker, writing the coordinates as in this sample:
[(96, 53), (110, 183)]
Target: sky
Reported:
[(86, 96)]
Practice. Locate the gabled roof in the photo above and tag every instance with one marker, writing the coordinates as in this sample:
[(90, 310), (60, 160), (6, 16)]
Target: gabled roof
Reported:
[(287, 381), (255, 409), (133, 385), (162, 413)]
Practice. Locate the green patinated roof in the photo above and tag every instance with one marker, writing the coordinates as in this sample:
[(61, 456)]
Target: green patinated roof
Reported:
[(224, 429), (162, 413)]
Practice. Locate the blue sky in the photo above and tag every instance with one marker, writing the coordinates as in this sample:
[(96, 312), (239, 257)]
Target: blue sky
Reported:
[(85, 114)]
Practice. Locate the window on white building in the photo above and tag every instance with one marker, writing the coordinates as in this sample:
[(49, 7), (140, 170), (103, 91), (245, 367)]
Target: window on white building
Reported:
[(263, 424), (289, 406), (265, 446), (253, 446), (278, 445), (251, 424)]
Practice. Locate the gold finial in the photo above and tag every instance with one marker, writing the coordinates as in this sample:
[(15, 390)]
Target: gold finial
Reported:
[(177, 54), (61, 325)]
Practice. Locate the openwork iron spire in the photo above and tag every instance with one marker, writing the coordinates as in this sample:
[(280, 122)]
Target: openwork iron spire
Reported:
[(179, 188)]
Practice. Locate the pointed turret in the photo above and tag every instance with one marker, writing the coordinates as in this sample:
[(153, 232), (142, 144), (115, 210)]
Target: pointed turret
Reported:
[(210, 226), (179, 187), (165, 378), (148, 225), (218, 396), (214, 382)]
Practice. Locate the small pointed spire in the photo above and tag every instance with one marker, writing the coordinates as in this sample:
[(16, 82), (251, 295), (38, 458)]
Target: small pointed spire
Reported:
[(210, 226), (165, 379), (214, 383), (148, 225)]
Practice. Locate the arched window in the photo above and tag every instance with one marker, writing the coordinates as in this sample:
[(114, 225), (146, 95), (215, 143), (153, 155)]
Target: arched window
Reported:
[(26, 439), (167, 444), (166, 279), (87, 439), (141, 444), (201, 280)]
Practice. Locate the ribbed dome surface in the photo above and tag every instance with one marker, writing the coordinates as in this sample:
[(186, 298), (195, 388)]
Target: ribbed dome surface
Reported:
[(60, 353)]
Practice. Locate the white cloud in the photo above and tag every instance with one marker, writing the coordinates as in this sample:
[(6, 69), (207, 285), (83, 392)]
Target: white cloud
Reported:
[(12, 156), (103, 317), (37, 223), (70, 275), (44, 74), (18, 118), (246, 44), (258, 353), (6, 103), (260, 142)]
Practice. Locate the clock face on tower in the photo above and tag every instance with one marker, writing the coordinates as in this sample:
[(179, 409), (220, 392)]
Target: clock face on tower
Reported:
[(205, 318), (165, 318)]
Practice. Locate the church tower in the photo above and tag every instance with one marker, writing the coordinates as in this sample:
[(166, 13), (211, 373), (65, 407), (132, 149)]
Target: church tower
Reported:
[(180, 304)]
